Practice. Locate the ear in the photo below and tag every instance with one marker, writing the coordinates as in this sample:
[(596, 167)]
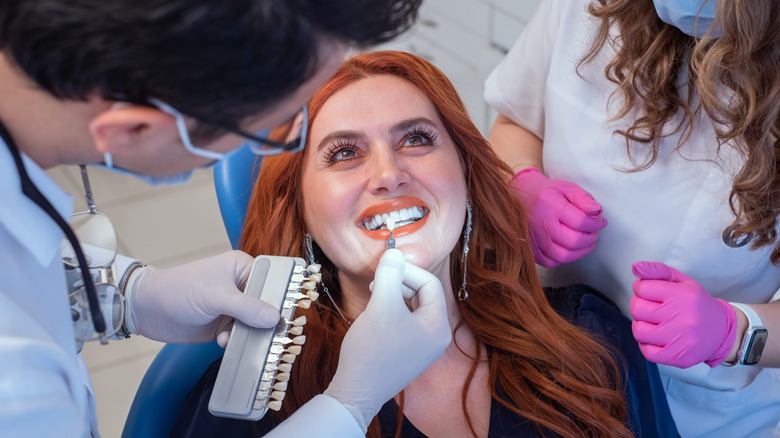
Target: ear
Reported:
[(128, 127)]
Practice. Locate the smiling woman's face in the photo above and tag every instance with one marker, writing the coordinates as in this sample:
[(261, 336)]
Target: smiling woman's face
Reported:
[(379, 148)]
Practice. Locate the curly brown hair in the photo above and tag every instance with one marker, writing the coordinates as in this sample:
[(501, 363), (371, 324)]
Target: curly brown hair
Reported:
[(736, 76)]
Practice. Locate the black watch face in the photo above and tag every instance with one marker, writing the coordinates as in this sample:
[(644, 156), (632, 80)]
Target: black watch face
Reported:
[(755, 347)]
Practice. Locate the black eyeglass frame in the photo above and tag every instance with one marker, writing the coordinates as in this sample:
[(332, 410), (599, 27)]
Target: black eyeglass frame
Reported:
[(292, 146)]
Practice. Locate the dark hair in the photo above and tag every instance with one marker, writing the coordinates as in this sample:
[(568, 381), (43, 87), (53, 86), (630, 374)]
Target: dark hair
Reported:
[(224, 60)]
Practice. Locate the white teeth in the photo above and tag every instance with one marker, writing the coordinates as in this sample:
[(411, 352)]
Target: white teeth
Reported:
[(402, 217)]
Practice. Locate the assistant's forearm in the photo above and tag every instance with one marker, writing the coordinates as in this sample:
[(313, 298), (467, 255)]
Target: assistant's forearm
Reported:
[(770, 317), (517, 146)]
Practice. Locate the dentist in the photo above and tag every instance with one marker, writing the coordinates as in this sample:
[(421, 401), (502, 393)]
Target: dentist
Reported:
[(156, 88)]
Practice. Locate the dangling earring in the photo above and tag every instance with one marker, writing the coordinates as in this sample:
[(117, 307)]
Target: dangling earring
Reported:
[(462, 292), (308, 249)]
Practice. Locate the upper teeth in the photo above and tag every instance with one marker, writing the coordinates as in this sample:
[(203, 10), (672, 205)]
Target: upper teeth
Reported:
[(401, 217)]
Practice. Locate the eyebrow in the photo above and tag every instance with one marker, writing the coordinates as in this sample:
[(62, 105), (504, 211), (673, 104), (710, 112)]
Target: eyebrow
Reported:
[(403, 125)]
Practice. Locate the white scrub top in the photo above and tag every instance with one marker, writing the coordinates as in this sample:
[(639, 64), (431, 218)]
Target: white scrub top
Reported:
[(673, 212), (44, 387)]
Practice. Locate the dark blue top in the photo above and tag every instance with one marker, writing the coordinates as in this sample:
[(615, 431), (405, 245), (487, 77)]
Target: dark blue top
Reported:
[(649, 414)]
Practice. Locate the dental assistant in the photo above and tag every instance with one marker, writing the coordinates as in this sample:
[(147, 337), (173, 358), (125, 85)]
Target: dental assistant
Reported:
[(644, 141), (189, 86)]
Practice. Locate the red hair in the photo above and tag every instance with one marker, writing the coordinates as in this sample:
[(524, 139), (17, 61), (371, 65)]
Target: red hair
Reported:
[(549, 371)]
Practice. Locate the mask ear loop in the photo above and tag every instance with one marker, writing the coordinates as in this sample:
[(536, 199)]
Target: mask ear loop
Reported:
[(108, 159), (463, 294), (183, 133)]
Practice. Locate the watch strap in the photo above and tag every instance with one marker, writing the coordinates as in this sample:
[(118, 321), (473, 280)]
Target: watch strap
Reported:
[(123, 332), (754, 323)]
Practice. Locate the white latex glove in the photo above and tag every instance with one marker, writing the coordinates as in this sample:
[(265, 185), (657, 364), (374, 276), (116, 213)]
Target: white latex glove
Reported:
[(388, 345), (195, 302)]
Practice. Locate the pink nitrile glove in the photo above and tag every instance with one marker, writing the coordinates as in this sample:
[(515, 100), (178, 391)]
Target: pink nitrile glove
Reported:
[(564, 219), (676, 321)]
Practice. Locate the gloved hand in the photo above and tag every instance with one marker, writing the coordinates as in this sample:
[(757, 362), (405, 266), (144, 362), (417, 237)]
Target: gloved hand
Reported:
[(388, 346), (676, 321), (564, 219), (195, 302)]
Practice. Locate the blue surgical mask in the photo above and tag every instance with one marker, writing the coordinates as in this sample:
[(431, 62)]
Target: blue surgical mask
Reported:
[(180, 178), (694, 17)]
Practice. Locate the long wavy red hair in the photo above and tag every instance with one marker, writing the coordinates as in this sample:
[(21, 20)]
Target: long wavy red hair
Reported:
[(549, 371)]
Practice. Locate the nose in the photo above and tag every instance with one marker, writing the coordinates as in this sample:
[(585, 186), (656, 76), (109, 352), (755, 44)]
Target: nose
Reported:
[(387, 174)]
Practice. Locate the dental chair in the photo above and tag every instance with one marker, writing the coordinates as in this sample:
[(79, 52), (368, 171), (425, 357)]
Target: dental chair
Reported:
[(177, 367)]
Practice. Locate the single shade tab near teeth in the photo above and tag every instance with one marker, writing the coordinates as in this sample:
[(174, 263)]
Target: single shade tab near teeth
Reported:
[(391, 227), (401, 217)]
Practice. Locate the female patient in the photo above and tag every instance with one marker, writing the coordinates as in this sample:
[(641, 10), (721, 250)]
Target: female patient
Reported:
[(390, 138)]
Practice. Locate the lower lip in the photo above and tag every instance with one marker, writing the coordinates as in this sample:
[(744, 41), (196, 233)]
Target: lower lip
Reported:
[(398, 232)]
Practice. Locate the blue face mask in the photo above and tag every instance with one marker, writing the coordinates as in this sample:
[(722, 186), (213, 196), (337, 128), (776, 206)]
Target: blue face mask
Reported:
[(694, 17), (180, 178)]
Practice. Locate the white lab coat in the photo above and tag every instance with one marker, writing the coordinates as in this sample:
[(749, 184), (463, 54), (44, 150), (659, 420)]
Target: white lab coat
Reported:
[(44, 385), (673, 212), (44, 388)]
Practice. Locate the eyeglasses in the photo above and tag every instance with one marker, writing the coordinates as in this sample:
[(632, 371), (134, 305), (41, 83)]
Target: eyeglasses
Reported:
[(97, 239), (294, 141)]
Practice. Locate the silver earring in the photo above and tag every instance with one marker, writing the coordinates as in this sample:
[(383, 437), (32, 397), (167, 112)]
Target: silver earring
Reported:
[(308, 249), (463, 294)]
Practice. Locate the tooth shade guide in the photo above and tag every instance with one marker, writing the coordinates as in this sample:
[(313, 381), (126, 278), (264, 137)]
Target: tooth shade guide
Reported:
[(391, 227), (257, 362)]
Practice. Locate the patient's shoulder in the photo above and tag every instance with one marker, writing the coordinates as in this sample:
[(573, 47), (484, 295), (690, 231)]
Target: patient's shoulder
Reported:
[(588, 308)]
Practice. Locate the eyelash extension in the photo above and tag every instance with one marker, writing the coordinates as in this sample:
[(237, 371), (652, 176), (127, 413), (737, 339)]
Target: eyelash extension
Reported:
[(337, 147), (341, 145), (423, 131)]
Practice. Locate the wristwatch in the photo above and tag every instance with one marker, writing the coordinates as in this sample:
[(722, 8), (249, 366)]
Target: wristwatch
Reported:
[(753, 342)]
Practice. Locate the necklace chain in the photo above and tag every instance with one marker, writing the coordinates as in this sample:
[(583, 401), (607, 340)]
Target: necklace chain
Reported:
[(338, 309), (309, 252)]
